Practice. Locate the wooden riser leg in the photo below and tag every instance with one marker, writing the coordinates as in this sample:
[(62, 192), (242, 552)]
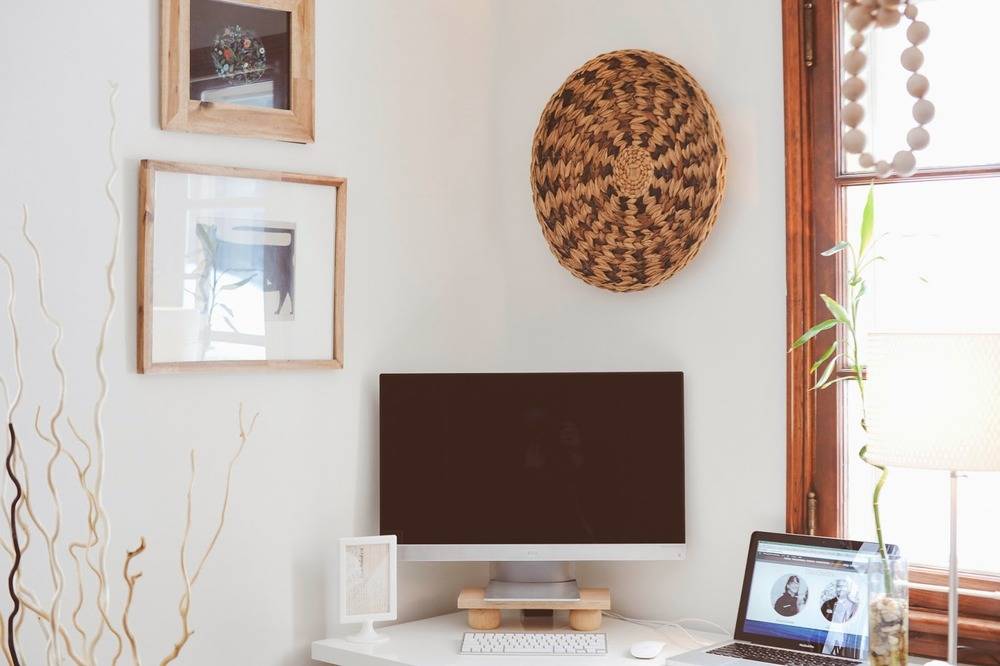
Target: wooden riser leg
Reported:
[(483, 619), (585, 620)]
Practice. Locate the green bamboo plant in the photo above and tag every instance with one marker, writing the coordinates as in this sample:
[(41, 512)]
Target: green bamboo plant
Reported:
[(845, 347)]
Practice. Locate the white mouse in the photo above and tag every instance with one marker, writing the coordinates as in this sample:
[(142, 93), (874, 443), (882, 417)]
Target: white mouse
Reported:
[(647, 649)]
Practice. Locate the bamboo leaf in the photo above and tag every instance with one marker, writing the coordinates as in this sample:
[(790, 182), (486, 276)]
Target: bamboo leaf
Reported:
[(842, 245), (827, 354), (870, 262), (237, 285), (827, 371), (832, 362), (226, 308), (835, 381), (813, 332), (836, 309), (868, 219)]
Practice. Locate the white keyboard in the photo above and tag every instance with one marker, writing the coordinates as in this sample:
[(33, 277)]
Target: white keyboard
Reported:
[(527, 643)]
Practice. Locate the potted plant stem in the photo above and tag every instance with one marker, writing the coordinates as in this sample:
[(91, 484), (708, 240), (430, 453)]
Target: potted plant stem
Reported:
[(887, 576)]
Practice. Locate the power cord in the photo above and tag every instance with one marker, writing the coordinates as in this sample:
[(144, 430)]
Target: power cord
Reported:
[(661, 625)]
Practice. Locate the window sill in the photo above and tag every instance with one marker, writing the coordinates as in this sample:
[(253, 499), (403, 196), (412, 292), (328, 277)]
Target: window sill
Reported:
[(979, 637)]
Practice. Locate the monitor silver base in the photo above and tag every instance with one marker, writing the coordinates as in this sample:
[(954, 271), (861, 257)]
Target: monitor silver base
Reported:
[(532, 581)]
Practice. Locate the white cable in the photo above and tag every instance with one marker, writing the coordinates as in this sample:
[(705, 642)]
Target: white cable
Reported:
[(660, 625), (713, 625), (677, 622)]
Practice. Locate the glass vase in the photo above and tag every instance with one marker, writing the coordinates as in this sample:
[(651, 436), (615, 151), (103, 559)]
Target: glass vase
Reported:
[(888, 612)]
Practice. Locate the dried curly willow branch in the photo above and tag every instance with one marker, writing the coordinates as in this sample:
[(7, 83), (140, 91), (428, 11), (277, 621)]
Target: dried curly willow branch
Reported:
[(11, 407), (16, 566), (22, 519), (244, 435), (51, 538), (92, 533), (109, 273), (184, 607), (19, 526), (130, 581)]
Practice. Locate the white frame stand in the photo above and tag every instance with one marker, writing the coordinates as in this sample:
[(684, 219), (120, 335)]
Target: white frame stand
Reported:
[(367, 634)]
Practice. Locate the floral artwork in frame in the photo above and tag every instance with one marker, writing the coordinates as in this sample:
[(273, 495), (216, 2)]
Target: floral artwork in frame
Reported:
[(239, 67)]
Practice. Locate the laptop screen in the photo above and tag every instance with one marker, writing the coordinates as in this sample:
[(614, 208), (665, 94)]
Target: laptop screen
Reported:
[(807, 596)]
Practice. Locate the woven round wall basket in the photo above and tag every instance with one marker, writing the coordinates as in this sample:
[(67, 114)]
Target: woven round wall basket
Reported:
[(628, 169)]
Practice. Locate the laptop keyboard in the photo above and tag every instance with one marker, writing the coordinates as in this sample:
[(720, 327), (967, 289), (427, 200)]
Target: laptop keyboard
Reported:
[(776, 656)]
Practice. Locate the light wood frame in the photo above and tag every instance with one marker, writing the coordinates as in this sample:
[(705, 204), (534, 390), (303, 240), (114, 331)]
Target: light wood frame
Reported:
[(584, 613), (814, 183), (147, 206), (179, 112)]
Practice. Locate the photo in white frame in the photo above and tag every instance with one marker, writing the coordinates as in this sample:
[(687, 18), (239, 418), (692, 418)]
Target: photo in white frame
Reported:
[(239, 268), (367, 583)]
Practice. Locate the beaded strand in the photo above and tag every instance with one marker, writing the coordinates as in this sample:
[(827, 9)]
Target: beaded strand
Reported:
[(861, 14)]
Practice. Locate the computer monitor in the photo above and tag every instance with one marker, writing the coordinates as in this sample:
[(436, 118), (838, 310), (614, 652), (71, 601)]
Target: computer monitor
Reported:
[(533, 468)]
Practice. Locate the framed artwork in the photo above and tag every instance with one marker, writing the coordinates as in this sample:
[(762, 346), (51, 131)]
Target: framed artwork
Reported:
[(239, 269), (367, 583), (241, 67)]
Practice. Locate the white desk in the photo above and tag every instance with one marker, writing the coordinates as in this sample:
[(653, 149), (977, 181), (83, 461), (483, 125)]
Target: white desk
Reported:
[(436, 641)]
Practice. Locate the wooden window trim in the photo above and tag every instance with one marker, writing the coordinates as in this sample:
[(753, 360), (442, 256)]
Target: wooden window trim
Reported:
[(814, 200)]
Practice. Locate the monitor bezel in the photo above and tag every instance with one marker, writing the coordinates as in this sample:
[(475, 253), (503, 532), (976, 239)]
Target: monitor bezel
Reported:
[(550, 552), (800, 540), (595, 552)]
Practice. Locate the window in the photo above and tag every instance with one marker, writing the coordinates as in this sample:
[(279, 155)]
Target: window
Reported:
[(943, 226)]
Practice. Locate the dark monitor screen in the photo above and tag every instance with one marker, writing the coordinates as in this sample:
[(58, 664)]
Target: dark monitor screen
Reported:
[(547, 458)]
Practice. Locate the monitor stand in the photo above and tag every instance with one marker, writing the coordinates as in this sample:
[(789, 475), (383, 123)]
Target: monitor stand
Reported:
[(532, 581)]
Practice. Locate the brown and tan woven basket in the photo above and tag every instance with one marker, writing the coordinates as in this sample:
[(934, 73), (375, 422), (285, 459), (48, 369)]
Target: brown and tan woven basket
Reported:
[(628, 169)]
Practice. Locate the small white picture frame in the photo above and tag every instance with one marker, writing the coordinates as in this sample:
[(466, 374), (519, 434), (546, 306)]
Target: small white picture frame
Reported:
[(367, 584)]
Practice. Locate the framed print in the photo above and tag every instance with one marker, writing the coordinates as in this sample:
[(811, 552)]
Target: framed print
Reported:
[(239, 269), (241, 67), (367, 583)]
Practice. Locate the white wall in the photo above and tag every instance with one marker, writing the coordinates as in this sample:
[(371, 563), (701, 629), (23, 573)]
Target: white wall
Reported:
[(720, 320), (428, 108)]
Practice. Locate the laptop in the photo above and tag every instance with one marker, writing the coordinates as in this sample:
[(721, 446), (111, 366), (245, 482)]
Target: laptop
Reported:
[(804, 603)]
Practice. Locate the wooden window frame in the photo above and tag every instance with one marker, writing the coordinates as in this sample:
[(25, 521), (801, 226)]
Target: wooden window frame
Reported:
[(816, 468)]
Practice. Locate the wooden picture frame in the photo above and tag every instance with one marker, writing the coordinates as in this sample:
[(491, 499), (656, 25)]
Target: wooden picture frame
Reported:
[(179, 112), (234, 198)]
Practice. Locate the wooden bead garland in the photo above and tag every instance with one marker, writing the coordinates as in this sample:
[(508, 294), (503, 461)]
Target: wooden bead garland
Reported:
[(860, 15)]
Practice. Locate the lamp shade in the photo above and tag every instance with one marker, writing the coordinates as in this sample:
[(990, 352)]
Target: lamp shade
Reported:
[(933, 401)]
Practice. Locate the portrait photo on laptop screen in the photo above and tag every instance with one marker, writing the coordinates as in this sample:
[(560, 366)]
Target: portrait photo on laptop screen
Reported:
[(809, 597)]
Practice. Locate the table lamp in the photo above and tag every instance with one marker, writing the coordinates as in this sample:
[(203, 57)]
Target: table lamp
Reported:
[(933, 402)]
